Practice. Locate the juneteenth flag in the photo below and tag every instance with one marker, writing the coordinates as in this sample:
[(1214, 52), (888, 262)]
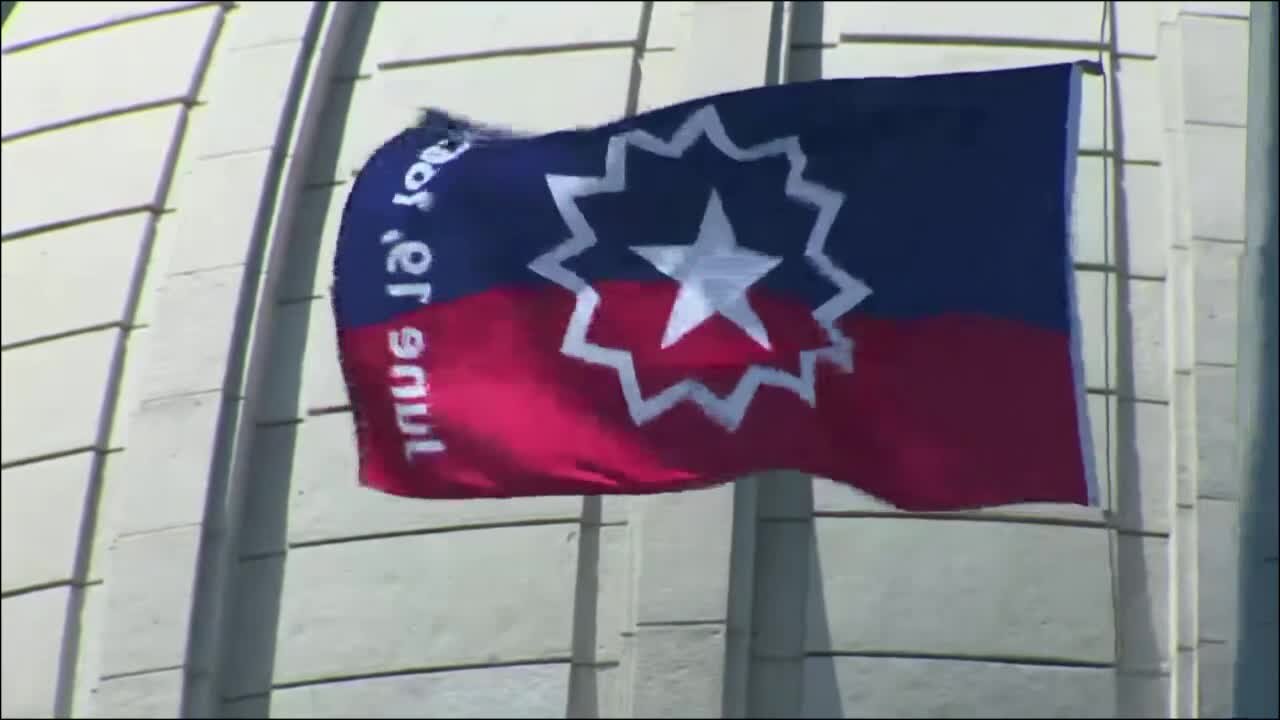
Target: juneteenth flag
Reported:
[(868, 280)]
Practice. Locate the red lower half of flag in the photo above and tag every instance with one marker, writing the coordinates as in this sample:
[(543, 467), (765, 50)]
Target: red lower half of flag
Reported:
[(475, 398)]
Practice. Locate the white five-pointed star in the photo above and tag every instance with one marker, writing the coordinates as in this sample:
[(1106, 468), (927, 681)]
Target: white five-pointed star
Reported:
[(714, 274)]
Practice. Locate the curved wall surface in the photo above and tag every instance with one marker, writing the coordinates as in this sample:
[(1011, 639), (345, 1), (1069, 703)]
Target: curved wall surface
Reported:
[(182, 530)]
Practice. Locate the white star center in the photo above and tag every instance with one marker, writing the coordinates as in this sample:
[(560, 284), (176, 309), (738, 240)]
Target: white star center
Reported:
[(714, 274)]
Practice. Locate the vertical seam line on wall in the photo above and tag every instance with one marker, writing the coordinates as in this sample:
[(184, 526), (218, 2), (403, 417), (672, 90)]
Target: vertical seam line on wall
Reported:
[(1144, 633), (1177, 327), (209, 614), (1107, 27), (72, 642), (1106, 38)]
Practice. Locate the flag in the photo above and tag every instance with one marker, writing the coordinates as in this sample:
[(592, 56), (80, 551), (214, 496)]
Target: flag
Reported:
[(868, 280)]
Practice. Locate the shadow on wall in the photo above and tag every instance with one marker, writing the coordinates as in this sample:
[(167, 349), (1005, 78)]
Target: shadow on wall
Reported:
[(806, 31), (247, 667), (1135, 605), (821, 696), (1256, 663), (1256, 653)]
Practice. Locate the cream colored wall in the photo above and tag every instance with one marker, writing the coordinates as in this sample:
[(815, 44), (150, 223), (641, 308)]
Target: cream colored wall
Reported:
[(91, 130), (182, 531)]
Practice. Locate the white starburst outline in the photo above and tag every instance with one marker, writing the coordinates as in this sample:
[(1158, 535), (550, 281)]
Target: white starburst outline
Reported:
[(729, 410)]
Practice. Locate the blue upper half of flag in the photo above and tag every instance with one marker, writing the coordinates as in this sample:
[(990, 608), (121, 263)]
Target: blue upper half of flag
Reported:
[(953, 197)]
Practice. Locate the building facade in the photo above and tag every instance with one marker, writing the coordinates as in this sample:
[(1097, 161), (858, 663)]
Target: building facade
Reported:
[(182, 530)]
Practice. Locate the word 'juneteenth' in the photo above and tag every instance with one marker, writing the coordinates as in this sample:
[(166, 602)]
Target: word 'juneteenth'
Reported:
[(407, 262)]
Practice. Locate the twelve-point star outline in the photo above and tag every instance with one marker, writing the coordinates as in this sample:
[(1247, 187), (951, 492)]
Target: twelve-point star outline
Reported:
[(714, 274)]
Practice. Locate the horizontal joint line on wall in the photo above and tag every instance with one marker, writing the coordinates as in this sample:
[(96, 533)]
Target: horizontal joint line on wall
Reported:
[(505, 53), (680, 623), (114, 22), (283, 422), (62, 224), (418, 671), (158, 530), (238, 152), (1115, 269), (1145, 401), (50, 456), (1142, 161), (29, 589), (1215, 124), (1208, 13), (52, 585), (205, 269), (602, 523), (1094, 267), (1141, 533), (328, 410), (566, 520), (1001, 659), (1126, 395), (117, 325), (95, 117), (1224, 241), (150, 401), (137, 673), (1092, 46), (262, 44), (275, 154), (1220, 498), (966, 516)]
